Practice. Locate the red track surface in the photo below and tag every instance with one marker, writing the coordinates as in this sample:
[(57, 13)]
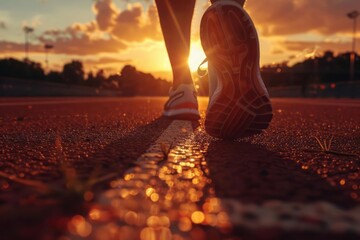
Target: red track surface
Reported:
[(284, 163)]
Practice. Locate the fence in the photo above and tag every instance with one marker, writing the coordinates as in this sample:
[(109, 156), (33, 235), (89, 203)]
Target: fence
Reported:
[(323, 90), (18, 87)]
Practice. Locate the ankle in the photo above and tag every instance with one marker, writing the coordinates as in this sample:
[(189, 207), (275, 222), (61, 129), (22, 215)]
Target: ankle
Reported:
[(184, 78), (176, 85)]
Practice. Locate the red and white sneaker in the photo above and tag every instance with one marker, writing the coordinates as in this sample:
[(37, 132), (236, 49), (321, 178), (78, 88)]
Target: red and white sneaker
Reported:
[(239, 103), (182, 103)]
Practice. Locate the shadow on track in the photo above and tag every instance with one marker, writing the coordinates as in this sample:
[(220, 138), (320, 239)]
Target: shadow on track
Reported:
[(128, 148), (45, 216), (253, 174), (122, 153)]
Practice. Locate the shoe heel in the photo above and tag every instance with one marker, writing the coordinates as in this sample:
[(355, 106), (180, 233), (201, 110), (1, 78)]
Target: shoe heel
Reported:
[(230, 42), (246, 117)]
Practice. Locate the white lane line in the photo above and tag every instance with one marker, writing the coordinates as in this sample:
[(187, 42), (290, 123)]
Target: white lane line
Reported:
[(319, 102), (166, 198), (163, 197), (318, 216)]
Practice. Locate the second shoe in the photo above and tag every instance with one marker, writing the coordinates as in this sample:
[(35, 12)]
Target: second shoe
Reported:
[(239, 103)]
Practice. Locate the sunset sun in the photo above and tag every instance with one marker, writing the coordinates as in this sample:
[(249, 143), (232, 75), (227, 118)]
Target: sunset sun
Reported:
[(197, 55)]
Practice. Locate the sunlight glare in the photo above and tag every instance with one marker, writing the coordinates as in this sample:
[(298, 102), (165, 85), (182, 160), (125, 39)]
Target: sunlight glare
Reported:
[(197, 55)]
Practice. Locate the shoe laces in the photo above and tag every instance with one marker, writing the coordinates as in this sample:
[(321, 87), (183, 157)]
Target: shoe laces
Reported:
[(202, 72)]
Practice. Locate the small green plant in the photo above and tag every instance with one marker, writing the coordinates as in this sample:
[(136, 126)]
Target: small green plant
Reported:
[(325, 146), (71, 184), (47, 204), (71, 190), (165, 150)]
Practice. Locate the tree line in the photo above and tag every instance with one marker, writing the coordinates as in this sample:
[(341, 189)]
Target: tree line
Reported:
[(326, 68), (129, 82)]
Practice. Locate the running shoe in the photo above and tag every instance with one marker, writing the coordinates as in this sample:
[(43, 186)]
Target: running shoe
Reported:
[(239, 103), (182, 103)]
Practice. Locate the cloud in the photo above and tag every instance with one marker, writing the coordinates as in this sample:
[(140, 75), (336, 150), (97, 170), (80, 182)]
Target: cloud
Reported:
[(81, 39), (110, 65), (3, 25), (14, 47), (320, 46), (131, 24), (35, 21), (277, 51), (106, 12), (105, 60), (108, 32), (279, 17)]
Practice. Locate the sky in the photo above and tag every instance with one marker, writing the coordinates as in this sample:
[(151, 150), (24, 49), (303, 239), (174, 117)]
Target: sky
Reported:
[(108, 34)]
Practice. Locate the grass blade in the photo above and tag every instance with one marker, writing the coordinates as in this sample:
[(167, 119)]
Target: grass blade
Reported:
[(319, 142)]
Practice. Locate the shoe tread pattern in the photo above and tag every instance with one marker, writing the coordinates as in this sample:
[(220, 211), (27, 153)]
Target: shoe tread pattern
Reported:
[(230, 42)]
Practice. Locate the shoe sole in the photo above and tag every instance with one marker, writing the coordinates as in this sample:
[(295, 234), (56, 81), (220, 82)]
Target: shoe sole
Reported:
[(182, 114), (231, 45), (183, 110)]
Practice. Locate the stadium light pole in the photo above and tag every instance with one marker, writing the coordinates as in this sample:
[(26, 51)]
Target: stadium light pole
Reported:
[(353, 15), (47, 47), (27, 30)]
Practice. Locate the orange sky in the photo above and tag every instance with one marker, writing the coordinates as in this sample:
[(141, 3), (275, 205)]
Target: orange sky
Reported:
[(106, 34)]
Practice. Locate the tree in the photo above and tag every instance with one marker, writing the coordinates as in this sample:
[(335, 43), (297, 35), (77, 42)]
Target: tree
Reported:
[(129, 80), (55, 76), (133, 82), (73, 72), (26, 69)]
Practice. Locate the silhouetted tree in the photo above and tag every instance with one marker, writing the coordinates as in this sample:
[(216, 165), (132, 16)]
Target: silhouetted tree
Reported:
[(100, 76), (321, 69), (26, 69), (73, 72), (114, 81), (133, 82), (324, 69), (55, 76), (129, 80), (92, 80)]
